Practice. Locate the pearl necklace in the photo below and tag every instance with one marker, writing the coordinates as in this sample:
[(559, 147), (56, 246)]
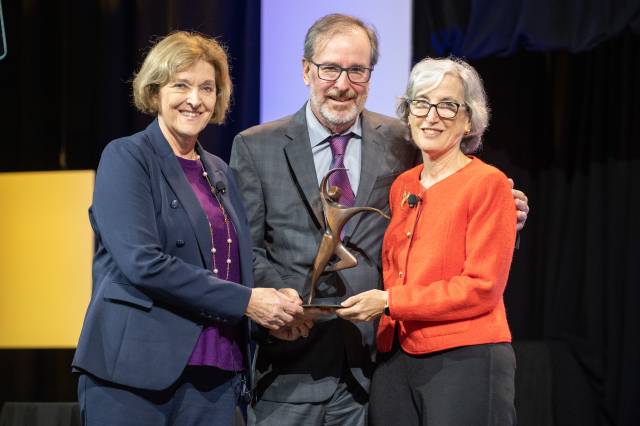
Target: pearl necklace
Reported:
[(226, 222)]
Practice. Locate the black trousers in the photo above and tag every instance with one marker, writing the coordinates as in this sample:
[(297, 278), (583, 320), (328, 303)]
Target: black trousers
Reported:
[(466, 386)]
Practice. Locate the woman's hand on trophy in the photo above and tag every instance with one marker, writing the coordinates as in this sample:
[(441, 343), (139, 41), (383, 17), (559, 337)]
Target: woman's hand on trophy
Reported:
[(364, 306), (273, 309)]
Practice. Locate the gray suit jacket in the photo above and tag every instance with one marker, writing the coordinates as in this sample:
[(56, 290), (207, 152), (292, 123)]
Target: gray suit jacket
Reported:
[(275, 171)]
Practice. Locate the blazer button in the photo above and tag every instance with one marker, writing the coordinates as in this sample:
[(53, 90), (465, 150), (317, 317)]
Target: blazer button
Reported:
[(174, 204), (179, 243)]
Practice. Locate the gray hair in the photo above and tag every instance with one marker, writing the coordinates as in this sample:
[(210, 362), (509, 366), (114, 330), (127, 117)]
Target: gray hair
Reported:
[(428, 74), (336, 23)]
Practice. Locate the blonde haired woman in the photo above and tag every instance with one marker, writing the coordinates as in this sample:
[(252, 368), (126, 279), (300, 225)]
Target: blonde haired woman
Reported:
[(165, 336)]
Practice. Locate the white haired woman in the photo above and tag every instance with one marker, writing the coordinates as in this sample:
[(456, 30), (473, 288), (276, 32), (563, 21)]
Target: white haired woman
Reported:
[(444, 342)]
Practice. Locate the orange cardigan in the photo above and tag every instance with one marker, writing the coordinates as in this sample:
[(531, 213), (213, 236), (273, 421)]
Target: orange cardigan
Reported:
[(446, 261)]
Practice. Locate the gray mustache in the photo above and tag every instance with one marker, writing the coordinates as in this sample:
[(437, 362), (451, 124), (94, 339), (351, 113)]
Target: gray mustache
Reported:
[(347, 95)]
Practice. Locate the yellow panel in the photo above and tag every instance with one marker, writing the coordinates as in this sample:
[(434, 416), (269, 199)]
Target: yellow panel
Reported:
[(45, 257)]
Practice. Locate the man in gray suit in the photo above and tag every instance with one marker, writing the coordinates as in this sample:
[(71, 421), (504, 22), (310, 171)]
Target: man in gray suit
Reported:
[(322, 378)]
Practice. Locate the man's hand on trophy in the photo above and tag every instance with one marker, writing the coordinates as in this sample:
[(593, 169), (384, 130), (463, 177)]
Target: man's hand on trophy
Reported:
[(364, 306), (273, 309), (299, 326)]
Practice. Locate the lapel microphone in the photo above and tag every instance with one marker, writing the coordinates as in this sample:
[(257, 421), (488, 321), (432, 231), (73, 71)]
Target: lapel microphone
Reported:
[(413, 200), (220, 187)]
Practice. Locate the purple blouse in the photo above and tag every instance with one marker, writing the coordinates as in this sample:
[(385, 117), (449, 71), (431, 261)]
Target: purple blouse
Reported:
[(218, 345)]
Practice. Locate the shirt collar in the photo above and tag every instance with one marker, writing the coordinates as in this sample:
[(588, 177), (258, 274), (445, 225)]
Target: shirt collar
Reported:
[(319, 134)]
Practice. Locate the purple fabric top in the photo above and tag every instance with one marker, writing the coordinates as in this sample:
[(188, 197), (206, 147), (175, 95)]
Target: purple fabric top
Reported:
[(218, 345)]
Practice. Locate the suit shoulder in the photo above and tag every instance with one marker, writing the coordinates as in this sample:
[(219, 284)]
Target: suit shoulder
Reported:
[(264, 129), (372, 115), (217, 162), (381, 119), (135, 145), (394, 131)]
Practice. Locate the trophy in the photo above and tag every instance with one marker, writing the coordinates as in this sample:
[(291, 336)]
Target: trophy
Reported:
[(335, 218)]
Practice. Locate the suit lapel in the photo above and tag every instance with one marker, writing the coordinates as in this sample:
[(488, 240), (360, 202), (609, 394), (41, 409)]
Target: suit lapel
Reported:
[(232, 205), (225, 197), (232, 202), (300, 160), (372, 155), (180, 185)]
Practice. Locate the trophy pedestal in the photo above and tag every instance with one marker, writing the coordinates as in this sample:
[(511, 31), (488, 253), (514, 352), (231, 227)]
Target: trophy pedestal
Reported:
[(321, 306), (319, 311)]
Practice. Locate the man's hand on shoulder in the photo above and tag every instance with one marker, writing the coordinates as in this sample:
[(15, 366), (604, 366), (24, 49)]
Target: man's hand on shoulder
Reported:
[(522, 204)]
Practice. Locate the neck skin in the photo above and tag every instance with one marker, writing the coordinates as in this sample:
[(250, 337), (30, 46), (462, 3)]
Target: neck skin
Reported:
[(182, 147), (437, 169)]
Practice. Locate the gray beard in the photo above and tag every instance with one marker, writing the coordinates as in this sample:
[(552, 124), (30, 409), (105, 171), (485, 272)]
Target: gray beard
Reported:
[(335, 119)]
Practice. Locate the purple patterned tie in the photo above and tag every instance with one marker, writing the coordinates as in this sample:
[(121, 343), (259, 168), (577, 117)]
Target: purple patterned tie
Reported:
[(340, 179)]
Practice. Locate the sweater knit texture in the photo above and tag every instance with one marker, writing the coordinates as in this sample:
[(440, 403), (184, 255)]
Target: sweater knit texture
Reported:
[(446, 260)]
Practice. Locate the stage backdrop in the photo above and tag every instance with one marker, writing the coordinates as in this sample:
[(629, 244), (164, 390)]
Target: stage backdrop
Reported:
[(562, 78), (283, 27), (45, 257)]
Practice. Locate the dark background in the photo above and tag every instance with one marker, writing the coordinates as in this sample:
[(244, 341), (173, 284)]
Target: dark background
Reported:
[(563, 80)]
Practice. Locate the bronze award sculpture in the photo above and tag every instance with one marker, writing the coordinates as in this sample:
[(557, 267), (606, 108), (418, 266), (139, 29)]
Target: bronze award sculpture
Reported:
[(335, 217)]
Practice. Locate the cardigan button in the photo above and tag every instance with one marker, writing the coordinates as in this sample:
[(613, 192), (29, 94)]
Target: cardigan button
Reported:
[(180, 243), (174, 204), (401, 273), (409, 234)]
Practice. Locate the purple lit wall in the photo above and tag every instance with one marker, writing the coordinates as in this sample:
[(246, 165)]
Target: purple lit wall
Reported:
[(284, 25)]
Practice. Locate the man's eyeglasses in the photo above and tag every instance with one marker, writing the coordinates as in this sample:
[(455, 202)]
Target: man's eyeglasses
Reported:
[(331, 72), (422, 108)]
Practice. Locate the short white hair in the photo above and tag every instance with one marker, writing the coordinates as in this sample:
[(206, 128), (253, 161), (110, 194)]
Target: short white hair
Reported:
[(429, 73)]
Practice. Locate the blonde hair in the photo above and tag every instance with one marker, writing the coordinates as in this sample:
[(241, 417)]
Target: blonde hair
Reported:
[(177, 52)]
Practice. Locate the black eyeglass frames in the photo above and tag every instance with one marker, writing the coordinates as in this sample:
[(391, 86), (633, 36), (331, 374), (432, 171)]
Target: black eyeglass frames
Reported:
[(332, 72), (444, 109)]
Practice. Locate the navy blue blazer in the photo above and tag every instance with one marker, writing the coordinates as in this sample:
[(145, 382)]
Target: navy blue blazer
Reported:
[(153, 289)]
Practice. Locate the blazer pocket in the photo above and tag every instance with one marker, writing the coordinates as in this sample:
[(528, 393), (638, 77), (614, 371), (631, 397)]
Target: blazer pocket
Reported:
[(385, 180), (127, 293)]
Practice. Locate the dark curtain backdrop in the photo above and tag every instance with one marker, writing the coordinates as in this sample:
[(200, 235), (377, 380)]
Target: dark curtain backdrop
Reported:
[(482, 28), (65, 93), (65, 82), (564, 93), (562, 80)]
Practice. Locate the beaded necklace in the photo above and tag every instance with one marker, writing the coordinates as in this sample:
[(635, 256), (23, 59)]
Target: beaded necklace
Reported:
[(227, 223)]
